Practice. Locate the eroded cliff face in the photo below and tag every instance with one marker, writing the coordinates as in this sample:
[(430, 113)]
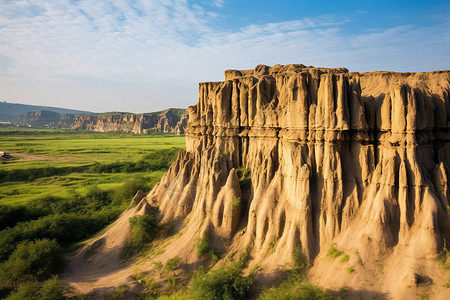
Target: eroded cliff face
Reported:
[(136, 123), (356, 159)]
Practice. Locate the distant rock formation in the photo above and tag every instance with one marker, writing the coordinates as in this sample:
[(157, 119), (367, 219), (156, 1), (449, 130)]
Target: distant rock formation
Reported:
[(170, 121), (42, 118), (355, 160)]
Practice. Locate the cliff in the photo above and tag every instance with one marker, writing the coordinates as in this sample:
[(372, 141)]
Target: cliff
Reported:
[(44, 118), (170, 120), (351, 161)]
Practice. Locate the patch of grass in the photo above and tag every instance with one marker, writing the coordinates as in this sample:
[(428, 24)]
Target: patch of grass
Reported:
[(349, 270), (203, 248), (448, 209), (118, 293), (344, 258), (157, 265), (150, 286), (300, 261), (446, 285), (295, 287), (422, 297), (172, 264), (444, 255), (333, 252), (230, 257), (235, 202)]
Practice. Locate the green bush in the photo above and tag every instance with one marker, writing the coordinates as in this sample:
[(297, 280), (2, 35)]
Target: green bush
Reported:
[(172, 264), (65, 228), (203, 248), (51, 289), (295, 287), (157, 159), (129, 189), (245, 180), (143, 229), (38, 260), (11, 215), (223, 283)]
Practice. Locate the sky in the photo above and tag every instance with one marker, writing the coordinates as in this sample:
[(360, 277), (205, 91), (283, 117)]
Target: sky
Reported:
[(148, 55)]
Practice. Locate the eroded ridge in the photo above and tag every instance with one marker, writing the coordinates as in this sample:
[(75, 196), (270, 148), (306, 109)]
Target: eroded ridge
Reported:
[(357, 159)]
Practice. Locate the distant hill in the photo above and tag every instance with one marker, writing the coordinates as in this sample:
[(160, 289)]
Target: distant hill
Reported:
[(12, 111), (169, 112)]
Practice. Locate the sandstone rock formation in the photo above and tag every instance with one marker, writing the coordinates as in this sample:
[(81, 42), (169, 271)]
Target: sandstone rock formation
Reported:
[(169, 121), (356, 159)]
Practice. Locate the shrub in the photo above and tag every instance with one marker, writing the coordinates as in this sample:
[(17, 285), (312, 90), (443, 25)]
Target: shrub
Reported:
[(51, 289), (176, 296), (202, 245), (64, 228), (118, 293), (223, 283), (38, 259), (295, 287), (11, 215), (300, 261), (245, 180), (172, 264), (203, 248), (143, 230), (148, 283)]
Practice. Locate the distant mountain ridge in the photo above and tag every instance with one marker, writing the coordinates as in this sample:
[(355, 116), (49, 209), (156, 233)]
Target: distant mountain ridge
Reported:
[(13, 111)]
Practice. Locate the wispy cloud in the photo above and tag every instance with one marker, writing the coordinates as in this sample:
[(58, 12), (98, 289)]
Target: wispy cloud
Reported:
[(158, 50), (218, 3)]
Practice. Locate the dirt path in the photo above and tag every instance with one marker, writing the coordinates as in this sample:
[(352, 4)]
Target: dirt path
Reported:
[(24, 156)]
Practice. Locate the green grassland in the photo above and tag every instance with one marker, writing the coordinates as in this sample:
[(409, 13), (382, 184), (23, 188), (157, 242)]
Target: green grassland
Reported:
[(58, 188), (69, 159)]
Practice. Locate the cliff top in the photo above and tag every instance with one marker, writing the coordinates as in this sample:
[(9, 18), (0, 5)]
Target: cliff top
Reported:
[(261, 70)]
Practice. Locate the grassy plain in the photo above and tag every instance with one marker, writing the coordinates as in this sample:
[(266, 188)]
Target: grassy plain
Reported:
[(60, 187), (69, 157)]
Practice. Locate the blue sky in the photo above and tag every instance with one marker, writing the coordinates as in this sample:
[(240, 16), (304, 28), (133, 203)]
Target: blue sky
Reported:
[(147, 55)]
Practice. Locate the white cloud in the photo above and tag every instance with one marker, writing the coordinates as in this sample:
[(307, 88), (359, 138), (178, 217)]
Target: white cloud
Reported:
[(147, 55), (218, 3)]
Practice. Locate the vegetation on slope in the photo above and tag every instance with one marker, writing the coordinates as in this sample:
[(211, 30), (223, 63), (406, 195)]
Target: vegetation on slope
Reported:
[(50, 203)]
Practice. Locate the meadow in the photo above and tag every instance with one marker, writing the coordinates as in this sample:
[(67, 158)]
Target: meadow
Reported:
[(61, 162), (58, 188)]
